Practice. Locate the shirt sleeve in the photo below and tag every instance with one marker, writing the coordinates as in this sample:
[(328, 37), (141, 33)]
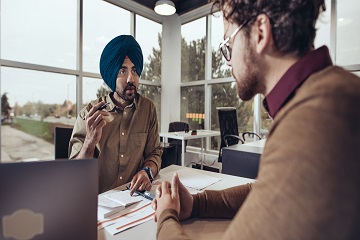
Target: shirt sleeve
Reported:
[(169, 228), (220, 204), (78, 136), (208, 204)]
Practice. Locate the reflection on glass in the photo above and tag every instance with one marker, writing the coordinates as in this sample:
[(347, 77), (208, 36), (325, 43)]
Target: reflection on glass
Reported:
[(148, 35), (38, 102), (102, 22), (39, 32), (348, 34), (225, 95), (219, 69), (193, 44)]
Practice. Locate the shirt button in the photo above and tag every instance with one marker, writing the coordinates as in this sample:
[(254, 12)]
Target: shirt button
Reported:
[(120, 177), (124, 113), (121, 155), (122, 133)]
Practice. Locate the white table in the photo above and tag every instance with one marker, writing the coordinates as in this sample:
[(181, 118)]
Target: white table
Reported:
[(194, 228), (187, 136)]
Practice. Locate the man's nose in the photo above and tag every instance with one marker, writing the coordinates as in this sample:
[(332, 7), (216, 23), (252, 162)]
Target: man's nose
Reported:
[(130, 78)]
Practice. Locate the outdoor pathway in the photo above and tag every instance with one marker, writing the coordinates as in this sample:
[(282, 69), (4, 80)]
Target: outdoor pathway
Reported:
[(19, 146)]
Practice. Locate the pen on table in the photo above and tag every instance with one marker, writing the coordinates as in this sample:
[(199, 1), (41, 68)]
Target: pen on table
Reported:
[(145, 194)]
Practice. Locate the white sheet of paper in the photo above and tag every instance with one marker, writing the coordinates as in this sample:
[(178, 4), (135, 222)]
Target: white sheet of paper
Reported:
[(106, 202), (131, 220), (192, 179)]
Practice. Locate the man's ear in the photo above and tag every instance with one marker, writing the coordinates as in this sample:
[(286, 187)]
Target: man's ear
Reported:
[(262, 31)]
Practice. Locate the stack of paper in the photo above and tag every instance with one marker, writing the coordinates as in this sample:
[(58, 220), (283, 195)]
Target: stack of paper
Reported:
[(110, 203), (131, 216)]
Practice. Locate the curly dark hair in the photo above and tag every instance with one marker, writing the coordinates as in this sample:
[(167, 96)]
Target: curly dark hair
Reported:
[(292, 21)]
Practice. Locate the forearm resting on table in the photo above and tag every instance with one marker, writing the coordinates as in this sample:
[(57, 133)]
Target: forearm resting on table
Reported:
[(220, 204)]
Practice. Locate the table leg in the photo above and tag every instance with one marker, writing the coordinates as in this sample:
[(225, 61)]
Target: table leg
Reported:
[(182, 152), (202, 152)]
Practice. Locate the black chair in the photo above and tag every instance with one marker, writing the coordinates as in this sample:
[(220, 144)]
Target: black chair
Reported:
[(178, 127), (61, 142), (229, 131), (168, 156)]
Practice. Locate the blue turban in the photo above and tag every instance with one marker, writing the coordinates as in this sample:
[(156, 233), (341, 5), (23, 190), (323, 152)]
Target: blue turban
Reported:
[(113, 57)]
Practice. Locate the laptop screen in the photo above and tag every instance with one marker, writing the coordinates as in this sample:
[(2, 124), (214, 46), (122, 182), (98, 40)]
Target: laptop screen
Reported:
[(49, 200)]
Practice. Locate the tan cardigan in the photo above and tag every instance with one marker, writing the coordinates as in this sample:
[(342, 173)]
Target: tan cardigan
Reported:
[(308, 184)]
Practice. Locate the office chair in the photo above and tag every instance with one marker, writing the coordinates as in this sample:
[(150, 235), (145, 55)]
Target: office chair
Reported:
[(250, 135), (178, 127), (229, 131), (61, 142)]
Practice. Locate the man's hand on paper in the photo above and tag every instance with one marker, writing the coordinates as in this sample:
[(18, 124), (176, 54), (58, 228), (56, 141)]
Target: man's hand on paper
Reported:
[(173, 196), (140, 182)]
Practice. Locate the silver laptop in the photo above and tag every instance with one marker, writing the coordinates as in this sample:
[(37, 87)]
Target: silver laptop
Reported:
[(49, 200)]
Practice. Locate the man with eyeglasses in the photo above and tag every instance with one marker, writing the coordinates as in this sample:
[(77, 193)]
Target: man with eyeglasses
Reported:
[(121, 128), (308, 185)]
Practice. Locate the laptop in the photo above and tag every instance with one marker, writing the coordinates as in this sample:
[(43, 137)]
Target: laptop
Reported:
[(49, 200)]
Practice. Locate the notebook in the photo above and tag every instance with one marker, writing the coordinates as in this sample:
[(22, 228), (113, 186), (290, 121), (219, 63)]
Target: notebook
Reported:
[(46, 200)]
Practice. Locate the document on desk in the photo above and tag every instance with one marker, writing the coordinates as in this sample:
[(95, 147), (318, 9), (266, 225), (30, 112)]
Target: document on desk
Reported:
[(111, 203), (192, 179), (129, 217)]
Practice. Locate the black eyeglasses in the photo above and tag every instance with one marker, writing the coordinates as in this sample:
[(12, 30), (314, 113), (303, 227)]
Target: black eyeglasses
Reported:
[(224, 46)]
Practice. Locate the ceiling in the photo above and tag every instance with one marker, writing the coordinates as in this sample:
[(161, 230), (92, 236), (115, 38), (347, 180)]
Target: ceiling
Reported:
[(182, 6)]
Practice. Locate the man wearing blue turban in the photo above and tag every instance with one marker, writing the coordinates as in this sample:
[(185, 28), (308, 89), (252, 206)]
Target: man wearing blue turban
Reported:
[(121, 128)]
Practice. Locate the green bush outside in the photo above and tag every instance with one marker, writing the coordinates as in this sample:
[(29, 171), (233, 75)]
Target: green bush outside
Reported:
[(36, 128)]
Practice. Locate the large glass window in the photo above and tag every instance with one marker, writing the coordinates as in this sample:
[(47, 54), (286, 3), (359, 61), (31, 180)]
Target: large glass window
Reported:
[(348, 34), (193, 47), (153, 93), (102, 22), (39, 32), (323, 27), (94, 88), (192, 109), (34, 112), (148, 34), (219, 69)]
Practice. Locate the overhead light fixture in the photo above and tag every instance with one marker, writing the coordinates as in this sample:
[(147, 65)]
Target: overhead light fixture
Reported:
[(165, 7)]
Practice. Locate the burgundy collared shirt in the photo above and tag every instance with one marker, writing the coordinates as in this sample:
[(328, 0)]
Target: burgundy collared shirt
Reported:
[(297, 74)]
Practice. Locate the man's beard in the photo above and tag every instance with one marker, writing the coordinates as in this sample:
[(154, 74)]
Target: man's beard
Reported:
[(248, 84), (127, 97)]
